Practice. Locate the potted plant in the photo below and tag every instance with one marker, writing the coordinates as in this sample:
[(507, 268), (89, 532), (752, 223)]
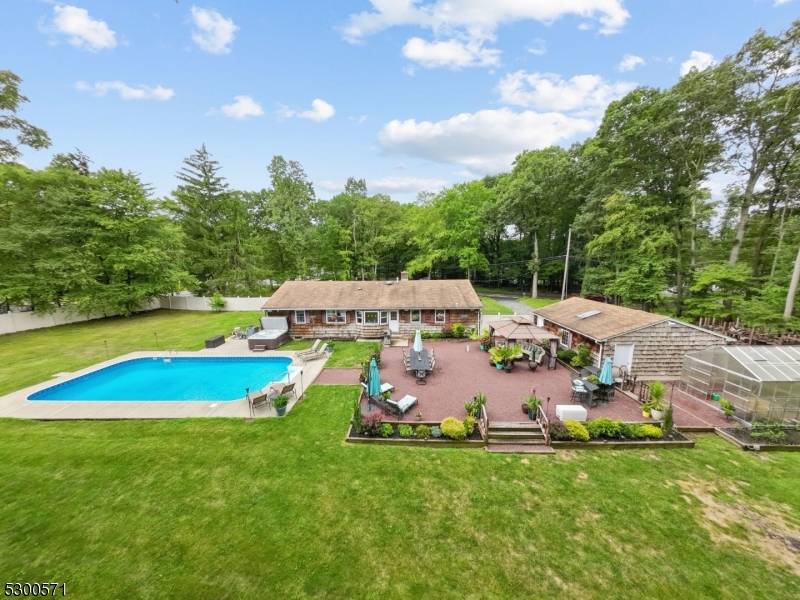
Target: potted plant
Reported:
[(280, 402), (419, 416), (727, 408), (485, 340), (646, 410), (657, 392), (387, 394), (503, 357), (533, 403)]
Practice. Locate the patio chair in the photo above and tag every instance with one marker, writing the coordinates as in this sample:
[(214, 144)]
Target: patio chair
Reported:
[(285, 390), (318, 354), (262, 398), (578, 391), (433, 362), (312, 350)]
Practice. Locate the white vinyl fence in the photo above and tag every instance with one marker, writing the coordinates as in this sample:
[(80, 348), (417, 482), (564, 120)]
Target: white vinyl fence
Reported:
[(24, 321), (204, 303)]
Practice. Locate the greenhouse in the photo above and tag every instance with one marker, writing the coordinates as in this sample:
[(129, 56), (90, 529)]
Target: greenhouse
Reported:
[(762, 382)]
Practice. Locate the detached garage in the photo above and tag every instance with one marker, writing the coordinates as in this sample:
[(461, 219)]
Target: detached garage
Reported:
[(647, 344)]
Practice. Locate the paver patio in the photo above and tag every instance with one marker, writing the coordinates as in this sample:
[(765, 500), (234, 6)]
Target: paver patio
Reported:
[(462, 370)]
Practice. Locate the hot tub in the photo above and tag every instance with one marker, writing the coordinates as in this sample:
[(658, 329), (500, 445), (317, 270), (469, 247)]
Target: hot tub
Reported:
[(269, 339)]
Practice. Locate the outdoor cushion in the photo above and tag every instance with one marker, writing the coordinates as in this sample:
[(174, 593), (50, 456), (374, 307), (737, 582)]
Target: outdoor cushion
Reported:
[(406, 402)]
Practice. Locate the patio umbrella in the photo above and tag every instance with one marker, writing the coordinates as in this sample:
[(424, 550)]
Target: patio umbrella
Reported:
[(606, 376), (418, 342), (374, 383)]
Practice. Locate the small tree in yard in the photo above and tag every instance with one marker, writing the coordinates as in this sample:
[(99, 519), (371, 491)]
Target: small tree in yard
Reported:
[(217, 302)]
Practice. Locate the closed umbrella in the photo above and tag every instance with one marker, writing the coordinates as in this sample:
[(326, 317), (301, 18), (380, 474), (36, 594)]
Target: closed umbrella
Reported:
[(374, 384), (418, 342), (606, 376)]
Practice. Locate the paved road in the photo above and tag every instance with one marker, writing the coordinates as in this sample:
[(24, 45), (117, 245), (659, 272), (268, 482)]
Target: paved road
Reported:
[(512, 303)]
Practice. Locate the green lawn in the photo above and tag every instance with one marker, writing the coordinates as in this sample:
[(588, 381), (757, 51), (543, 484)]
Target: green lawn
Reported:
[(30, 357), (538, 302), (282, 508), (493, 307), (345, 354)]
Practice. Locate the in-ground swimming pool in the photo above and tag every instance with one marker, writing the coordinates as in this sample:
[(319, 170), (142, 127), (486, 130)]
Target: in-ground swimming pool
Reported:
[(172, 379)]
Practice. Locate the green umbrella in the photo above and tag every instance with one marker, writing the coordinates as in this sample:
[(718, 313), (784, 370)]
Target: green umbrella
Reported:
[(374, 385)]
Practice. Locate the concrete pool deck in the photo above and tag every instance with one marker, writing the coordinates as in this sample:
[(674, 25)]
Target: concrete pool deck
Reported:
[(16, 404)]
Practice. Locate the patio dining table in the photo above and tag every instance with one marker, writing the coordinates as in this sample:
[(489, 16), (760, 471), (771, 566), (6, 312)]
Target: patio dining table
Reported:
[(591, 390), (420, 363)]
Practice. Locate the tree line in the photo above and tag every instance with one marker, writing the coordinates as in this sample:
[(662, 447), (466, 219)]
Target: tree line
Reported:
[(633, 200)]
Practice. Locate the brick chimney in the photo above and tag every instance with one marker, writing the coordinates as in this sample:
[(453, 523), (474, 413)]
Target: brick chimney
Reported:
[(403, 275)]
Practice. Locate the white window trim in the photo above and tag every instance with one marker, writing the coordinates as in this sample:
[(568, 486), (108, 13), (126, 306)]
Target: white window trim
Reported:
[(336, 316), (569, 339), (384, 317), (302, 320), (436, 317), (411, 316), (360, 317), (377, 317)]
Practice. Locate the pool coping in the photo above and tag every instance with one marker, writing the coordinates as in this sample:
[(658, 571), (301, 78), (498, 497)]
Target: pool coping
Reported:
[(16, 404)]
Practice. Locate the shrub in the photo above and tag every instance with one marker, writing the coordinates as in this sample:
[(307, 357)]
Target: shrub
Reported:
[(652, 431), (768, 431), (447, 331), (631, 431), (217, 302), (387, 430), (436, 431), (426, 335), (405, 431), (357, 415), (559, 432), (371, 423), (669, 422), (577, 430), (458, 330), (566, 355), (726, 407), (469, 426), (423, 431), (582, 357), (453, 428), (603, 427)]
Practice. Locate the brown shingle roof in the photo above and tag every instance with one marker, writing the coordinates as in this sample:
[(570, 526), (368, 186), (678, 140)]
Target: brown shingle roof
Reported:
[(610, 322), (318, 295)]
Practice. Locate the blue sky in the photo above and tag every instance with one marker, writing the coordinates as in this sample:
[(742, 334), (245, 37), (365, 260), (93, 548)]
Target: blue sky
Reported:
[(408, 94)]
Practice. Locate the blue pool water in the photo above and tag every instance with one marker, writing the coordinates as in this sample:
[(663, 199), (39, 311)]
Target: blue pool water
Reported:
[(178, 380)]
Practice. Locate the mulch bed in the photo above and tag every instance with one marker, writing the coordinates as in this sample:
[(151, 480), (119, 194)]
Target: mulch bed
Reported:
[(475, 437), (673, 440), (743, 435), (675, 436)]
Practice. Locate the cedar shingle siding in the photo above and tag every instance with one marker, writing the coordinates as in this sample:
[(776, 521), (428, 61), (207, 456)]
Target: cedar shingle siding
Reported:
[(456, 297), (659, 342)]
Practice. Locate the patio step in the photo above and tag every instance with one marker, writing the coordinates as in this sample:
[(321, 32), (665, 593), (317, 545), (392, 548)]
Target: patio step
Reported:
[(516, 436), (519, 449)]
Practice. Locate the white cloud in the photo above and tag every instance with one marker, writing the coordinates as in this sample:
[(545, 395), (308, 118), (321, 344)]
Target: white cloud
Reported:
[(83, 31), (462, 27), (697, 60), (486, 141), (451, 53), (537, 46), (388, 185), (320, 111), (358, 120), (215, 33), (126, 92), (587, 95), (479, 17), (244, 107), (779, 2), (630, 62)]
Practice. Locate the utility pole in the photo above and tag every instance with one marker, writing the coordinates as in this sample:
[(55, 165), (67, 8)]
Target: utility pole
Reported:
[(566, 267)]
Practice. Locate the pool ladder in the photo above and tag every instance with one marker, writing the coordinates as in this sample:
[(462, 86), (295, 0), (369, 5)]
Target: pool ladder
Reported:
[(168, 355)]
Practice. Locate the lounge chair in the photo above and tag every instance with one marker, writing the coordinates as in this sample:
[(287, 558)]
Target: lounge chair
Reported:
[(312, 350), (318, 354), (285, 390), (385, 387), (262, 398), (392, 407)]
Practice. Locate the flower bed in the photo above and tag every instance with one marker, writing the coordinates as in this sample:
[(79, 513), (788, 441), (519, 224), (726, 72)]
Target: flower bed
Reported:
[(614, 435), (474, 440), (767, 438)]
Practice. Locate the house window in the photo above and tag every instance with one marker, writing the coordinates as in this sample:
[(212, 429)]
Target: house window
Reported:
[(335, 316), (359, 317), (566, 338), (371, 317), (416, 316), (300, 317), (384, 317), (439, 316)]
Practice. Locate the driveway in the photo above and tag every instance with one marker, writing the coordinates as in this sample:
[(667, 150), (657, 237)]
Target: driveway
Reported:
[(512, 303)]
